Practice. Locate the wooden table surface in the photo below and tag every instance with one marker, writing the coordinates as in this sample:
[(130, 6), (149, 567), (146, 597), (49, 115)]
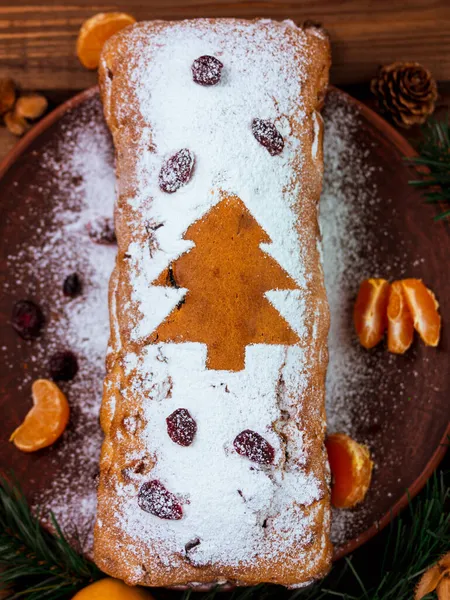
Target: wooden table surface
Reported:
[(37, 38)]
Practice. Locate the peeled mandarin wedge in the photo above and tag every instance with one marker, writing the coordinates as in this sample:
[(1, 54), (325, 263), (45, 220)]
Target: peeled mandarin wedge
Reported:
[(112, 589), (400, 323), (351, 470), (369, 314), (95, 32), (423, 307), (46, 421)]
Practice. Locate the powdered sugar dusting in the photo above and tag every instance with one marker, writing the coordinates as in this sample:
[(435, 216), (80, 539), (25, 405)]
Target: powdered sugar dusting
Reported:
[(83, 323), (231, 130)]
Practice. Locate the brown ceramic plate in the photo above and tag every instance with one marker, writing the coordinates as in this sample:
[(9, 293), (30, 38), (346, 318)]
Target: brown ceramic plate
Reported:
[(406, 437)]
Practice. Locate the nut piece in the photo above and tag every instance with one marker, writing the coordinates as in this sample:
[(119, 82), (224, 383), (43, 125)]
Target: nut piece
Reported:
[(7, 95), (31, 106), (95, 32), (16, 125)]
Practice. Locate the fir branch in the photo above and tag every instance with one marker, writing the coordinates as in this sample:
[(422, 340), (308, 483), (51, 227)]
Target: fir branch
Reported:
[(34, 564), (37, 565), (434, 154)]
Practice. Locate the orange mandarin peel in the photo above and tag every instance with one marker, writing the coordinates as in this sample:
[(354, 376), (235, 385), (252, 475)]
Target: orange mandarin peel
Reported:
[(112, 589)]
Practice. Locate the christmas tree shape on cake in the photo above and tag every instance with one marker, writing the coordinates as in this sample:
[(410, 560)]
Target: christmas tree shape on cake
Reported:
[(226, 274)]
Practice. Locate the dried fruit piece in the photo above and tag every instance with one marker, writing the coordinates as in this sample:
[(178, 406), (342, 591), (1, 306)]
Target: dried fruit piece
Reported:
[(400, 324), (252, 445), (369, 314), (181, 427), (31, 106), (268, 136), (351, 470), (428, 582), (443, 588), (154, 498), (63, 366), (176, 171), (15, 124), (72, 286), (7, 95), (46, 421), (207, 70), (27, 319), (112, 589), (101, 230), (423, 307), (436, 577), (95, 32)]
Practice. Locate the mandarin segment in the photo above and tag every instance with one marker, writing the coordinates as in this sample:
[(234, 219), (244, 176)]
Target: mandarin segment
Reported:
[(46, 421), (400, 323), (423, 307), (351, 470), (95, 32), (369, 314)]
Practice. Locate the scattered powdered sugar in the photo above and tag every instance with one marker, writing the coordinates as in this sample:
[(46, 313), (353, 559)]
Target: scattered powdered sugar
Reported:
[(85, 192), (80, 175), (352, 229)]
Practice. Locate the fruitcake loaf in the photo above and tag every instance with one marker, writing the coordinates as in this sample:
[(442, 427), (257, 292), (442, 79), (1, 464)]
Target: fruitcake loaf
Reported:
[(213, 466)]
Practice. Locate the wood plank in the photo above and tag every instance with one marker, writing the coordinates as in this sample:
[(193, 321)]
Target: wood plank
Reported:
[(7, 142), (37, 40)]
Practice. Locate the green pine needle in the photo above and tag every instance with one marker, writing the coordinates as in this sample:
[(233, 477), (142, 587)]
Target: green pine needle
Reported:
[(434, 154), (34, 564)]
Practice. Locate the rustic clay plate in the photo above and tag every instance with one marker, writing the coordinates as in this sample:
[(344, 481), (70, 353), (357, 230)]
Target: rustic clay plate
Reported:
[(398, 406)]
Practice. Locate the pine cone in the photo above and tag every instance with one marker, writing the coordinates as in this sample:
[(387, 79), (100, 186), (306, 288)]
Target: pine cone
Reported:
[(406, 91)]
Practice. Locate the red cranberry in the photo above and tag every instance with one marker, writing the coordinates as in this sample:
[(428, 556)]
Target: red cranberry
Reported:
[(252, 445), (101, 230), (155, 499), (72, 286), (63, 366), (181, 427), (27, 319), (207, 70), (268, 136), (177, 171)]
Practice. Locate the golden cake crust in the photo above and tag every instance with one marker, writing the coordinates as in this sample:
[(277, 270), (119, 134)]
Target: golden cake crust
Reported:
[(290, 558)]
